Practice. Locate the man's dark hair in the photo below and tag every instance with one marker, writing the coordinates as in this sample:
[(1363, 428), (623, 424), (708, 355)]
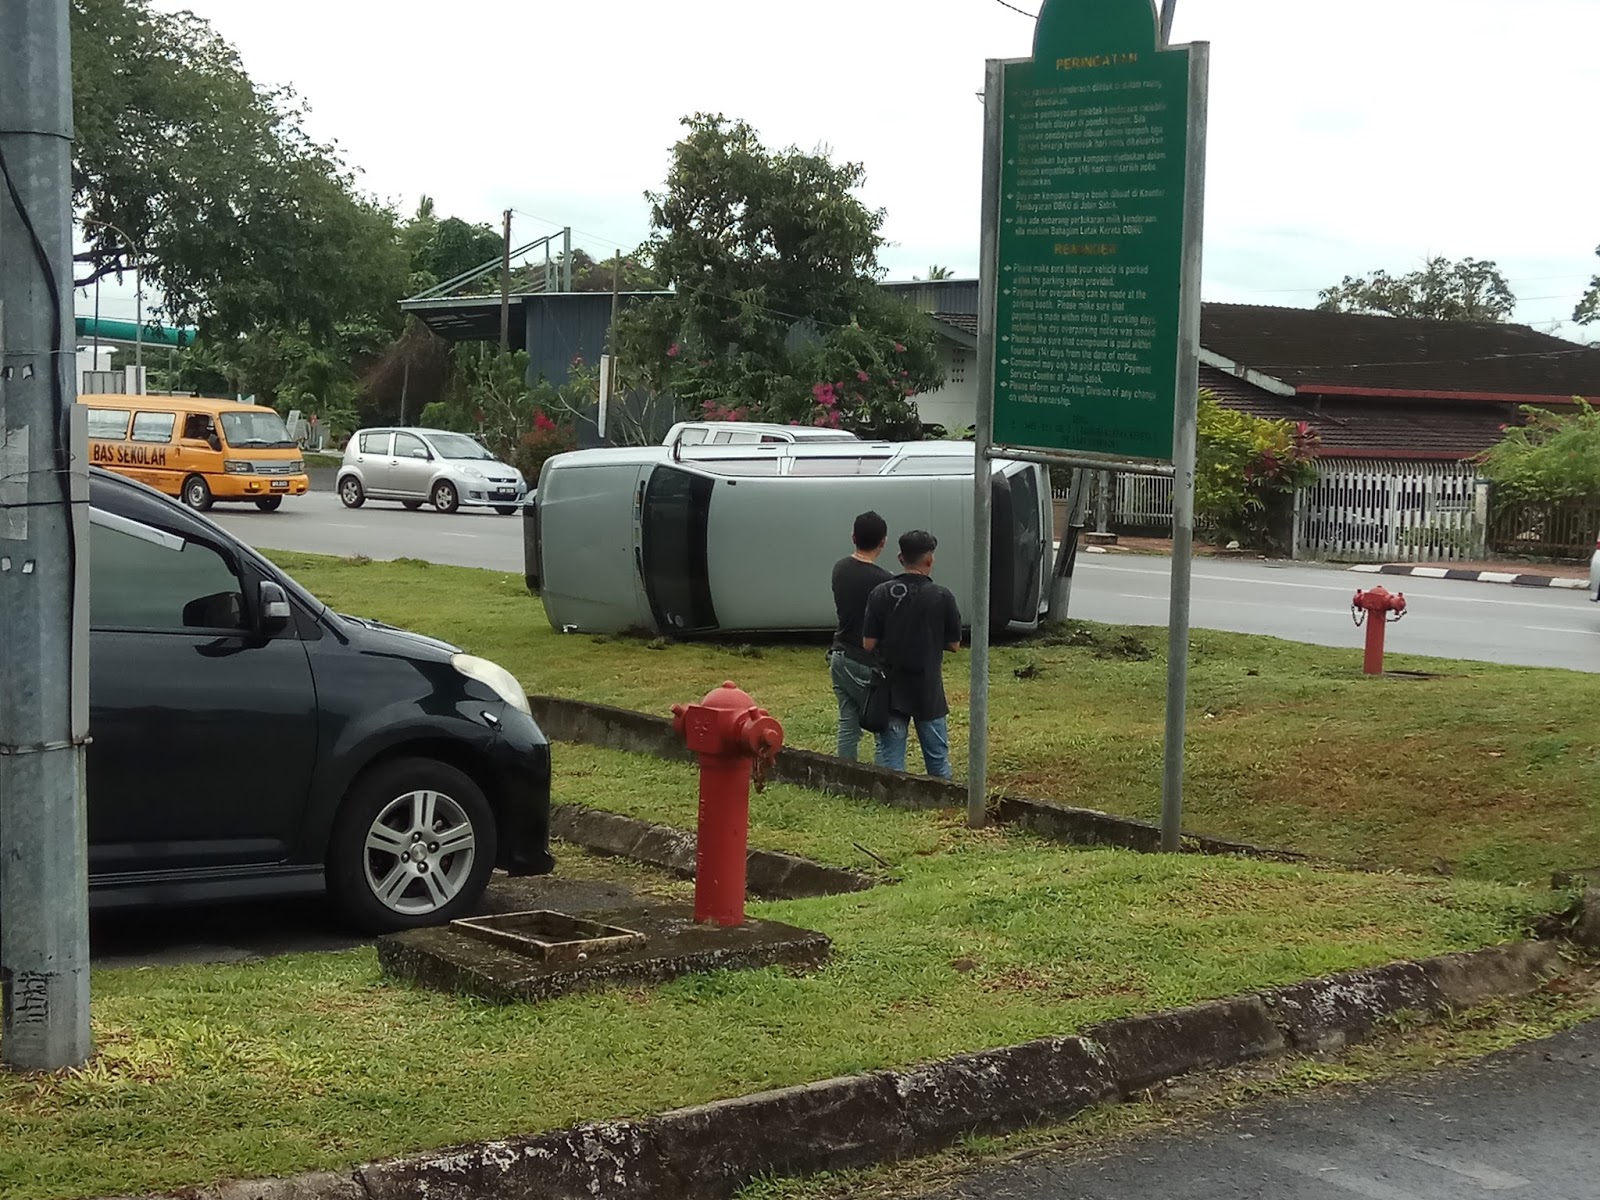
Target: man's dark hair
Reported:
[(916, 546), (871, 531)]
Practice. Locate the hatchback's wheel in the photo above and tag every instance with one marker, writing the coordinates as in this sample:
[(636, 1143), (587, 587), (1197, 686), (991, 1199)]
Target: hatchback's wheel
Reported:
[(445, 497), (197, 493), (506, 510), (270, 503), (351, 492), (413, 845), (411, 505)]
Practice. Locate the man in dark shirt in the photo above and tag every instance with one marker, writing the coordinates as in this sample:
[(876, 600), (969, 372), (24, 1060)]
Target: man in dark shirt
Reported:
[(849, 665), (911, 622)]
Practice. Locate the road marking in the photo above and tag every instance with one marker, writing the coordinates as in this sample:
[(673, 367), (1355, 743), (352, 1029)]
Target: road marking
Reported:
[(1330, 1175), (471, 537), (1489, 1179), (1322, 587)]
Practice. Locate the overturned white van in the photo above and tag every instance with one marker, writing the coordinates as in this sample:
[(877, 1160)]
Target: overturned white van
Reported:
[(701, 541)]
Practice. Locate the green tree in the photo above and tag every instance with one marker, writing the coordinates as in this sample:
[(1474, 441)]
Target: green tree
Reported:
[(1588, 309), (241, 220), (937, 272), (1470, 290), (776, 311), (1549, 457)]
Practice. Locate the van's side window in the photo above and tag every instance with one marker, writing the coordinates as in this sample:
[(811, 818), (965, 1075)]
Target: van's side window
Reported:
[(153, 426), (108, 424), (199, 427), (136, 584)]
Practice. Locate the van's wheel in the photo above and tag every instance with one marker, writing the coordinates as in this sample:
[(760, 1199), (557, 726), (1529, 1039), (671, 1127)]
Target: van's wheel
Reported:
[(445, 497), (197, 493), (351, 492), (411, 505), (270, 503), (413, 844)]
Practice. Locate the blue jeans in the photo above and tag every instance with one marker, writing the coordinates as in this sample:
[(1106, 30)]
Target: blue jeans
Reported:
[(933, 736), (849, 679)]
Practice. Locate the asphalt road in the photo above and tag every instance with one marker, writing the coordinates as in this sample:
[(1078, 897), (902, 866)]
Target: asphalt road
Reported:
[(1448, 619), (1518, 1124)]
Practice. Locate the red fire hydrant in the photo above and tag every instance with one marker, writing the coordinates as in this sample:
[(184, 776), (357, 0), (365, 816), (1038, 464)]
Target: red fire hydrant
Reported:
[(1378, 608), (730, 734)]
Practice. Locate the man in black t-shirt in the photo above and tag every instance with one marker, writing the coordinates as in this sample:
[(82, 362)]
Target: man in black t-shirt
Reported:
[(849, 665), (911, 623)]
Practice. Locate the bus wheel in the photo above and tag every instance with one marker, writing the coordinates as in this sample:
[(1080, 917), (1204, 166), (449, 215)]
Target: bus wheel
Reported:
[(197, 493), (270, 503)]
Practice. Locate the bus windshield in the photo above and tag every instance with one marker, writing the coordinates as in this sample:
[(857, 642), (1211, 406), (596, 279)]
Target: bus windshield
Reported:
[(256, 431)]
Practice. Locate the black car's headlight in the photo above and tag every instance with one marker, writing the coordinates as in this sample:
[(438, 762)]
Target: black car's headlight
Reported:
[(495, 677)]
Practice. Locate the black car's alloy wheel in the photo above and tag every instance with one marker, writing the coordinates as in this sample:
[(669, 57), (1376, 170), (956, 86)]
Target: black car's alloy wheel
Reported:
[(413, 845)]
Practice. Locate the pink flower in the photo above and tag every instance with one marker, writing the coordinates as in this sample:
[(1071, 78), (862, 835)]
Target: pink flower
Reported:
[(899, 349), (825, 395), (673, 350), (862, 376), (904, 374), (794, 422)]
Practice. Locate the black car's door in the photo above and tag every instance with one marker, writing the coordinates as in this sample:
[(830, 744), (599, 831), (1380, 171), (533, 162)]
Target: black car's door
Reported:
[(204, 732)]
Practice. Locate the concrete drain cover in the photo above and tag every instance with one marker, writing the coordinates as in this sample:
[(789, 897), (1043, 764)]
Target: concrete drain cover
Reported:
[(550, 936)]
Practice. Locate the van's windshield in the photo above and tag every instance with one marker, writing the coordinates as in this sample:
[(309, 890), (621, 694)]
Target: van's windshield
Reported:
[(256, 431)]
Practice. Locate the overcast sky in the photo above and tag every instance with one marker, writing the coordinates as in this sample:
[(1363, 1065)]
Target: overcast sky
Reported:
[(1344, 136)]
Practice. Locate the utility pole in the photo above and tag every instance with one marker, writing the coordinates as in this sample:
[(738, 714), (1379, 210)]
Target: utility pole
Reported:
[(44, 602), (505, 287)]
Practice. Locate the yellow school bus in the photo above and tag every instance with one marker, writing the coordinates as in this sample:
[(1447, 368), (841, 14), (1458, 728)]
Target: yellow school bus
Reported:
[(199, 450)]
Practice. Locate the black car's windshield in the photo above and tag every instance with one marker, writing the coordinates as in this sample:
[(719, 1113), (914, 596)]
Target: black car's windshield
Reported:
[(459, 446), (256, 429)]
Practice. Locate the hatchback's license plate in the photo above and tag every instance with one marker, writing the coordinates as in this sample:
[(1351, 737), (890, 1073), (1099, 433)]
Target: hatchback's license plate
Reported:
[(280, 485), (505, 494)]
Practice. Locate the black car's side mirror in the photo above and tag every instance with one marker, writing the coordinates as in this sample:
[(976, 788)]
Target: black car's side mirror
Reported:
[(275, 611)]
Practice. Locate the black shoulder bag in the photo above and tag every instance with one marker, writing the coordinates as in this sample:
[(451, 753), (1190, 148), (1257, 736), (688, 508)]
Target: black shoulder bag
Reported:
[(875, 710)]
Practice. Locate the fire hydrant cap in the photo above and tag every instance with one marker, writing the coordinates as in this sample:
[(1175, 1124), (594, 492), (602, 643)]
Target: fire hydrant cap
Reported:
[(729, 696)]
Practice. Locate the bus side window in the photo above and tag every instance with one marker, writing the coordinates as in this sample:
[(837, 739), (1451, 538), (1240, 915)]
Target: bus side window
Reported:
[(154, 426), (108, 424)]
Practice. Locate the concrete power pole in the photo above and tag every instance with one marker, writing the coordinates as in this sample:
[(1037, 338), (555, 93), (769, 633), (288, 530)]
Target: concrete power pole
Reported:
[(505, 287), (44, 602)]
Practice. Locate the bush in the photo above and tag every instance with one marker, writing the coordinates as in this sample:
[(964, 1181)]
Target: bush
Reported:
[(1247, 471), (1548, 458), (544, 441)]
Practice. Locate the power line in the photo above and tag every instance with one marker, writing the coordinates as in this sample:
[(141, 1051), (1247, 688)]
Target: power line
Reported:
[(1015, 9)]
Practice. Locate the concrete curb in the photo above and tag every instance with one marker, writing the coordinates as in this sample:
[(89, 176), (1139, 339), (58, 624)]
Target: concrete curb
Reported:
[(709, 1151), (610, 728), (768, 873), (1531, 579)]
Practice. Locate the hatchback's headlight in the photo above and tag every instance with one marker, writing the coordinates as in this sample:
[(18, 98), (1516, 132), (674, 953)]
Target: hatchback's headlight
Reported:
[(471, 472), (236, 466), (495, 677)]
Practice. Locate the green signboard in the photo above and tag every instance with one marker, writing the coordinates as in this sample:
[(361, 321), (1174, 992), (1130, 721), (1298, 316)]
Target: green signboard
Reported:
[(1095, 148)]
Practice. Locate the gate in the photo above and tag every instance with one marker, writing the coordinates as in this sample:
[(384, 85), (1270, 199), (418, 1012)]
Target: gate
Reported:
[(1378, 511)]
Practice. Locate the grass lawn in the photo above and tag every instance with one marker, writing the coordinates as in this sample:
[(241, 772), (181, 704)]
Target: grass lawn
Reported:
[(1493, 770), (989, 938)]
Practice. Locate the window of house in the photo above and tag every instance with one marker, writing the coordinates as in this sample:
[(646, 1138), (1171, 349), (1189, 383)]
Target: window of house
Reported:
[(958, 366)]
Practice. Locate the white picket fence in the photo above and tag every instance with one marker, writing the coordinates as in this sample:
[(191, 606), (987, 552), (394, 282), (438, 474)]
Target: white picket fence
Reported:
[(1358, 510), (1384, 511)]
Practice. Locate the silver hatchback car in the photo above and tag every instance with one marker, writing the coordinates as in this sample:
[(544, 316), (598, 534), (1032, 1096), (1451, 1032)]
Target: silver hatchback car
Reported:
[(427, 466)]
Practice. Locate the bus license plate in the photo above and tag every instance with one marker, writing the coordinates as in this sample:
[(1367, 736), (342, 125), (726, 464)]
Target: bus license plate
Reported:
[(280, 485)]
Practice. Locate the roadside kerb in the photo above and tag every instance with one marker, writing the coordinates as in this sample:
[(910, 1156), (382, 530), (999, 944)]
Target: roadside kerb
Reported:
[(1515, 579), (709, 1151), (768, 873), (608, 728)]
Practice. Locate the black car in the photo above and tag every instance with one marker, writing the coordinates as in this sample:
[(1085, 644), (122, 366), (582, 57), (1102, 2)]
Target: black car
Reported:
[(249, 742)]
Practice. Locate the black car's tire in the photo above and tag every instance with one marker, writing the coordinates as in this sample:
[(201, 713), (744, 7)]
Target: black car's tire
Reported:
[(390, 862), (506, 510), (270, 503), (445, 497), (411, 505), (197, 493), (351, 493)]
